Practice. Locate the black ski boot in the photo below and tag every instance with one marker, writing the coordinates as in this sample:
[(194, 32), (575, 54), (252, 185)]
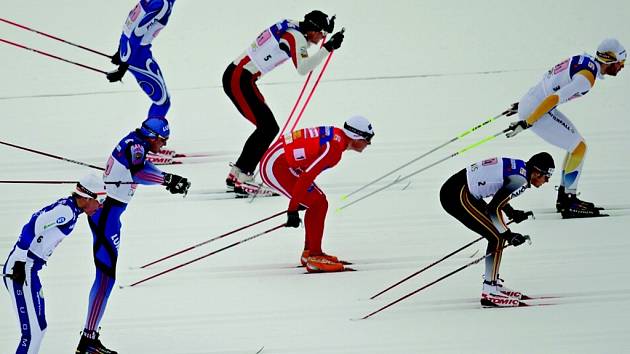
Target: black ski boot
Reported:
[(566, 200), (576, 208), (90, 344)]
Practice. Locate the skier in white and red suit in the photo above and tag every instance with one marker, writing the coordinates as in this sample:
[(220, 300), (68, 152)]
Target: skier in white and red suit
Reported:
[(277, 44)]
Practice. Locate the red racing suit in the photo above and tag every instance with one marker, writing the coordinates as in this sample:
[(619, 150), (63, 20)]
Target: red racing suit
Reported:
[(291, 165)]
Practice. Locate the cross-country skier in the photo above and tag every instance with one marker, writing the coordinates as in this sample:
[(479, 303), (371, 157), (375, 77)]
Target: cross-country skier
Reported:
[(143, 24), (39, 238), (282, 41), (126, 164), (462, 196), (291, 165), (570, 79)]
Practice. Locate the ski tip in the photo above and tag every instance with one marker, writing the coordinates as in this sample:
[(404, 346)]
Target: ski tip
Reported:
[(260, 350), (344, 197), (338, 210)]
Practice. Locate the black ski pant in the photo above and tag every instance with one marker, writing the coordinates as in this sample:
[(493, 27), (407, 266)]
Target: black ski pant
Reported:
[(240, 86), (470, 211)]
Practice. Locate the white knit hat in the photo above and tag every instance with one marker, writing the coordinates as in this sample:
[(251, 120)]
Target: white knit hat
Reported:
[(91, 186), (611, 51), (358, 127)]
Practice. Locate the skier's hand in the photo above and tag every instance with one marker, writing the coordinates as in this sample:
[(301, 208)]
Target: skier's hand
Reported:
[(115, 59), (518, 216), (516, 127), (515, 239), (335, 41), (19, 272), (331, 24), (293, 219), (117, 74), (176, 184), (512, 110)]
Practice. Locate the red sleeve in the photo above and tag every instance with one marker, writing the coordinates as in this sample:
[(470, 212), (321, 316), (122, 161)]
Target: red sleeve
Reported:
[(330, 156)]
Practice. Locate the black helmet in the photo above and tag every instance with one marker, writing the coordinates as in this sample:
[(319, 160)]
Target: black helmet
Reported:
[(316, 21), (543, 162)]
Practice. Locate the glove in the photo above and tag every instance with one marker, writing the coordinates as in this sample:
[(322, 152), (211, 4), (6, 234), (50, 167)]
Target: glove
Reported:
[(517, 127), (334, 42), (512, 110), (19, 273), (331, 24), (117, 74), (116, 57), (293, 219), (515, 239), (519, 215), (176, 184)]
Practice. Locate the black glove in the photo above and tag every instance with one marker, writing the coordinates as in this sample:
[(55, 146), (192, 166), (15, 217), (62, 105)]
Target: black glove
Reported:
[(512, 110), (518, 215), (293, 219), (116, 57), (514, 239), (19, 273), (516, 127), (176, 184), (331, 24), (334, 42), (117, 74)]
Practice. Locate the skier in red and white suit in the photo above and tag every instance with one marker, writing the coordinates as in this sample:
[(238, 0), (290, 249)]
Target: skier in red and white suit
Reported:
[(291, 165), (277, 44)]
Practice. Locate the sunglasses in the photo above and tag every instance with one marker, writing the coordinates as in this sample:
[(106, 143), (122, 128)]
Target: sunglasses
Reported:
[(365, 135)]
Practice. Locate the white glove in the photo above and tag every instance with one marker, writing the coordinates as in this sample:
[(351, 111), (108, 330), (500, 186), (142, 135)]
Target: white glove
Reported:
[(517, 127)]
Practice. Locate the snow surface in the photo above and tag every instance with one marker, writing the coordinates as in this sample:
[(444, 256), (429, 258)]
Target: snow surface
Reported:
[(423, 72)]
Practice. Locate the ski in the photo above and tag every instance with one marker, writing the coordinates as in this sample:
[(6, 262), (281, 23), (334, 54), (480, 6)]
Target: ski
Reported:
[(345, 269), (514, 303), (340, 261), (260, 350)]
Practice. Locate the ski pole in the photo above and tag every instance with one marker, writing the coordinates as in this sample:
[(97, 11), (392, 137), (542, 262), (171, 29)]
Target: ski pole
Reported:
[(431, 283), (51, 155), (458, 137), (427, 267), (436, 262), (52, 56), (212, 239), (471, 146), (57, 182), (53, 37), (308, 78), (310, 95), (207, 255)]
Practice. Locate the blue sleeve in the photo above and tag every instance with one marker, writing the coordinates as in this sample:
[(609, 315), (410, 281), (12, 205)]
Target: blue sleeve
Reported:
[(149, 174), (582, 62), (152, 9)]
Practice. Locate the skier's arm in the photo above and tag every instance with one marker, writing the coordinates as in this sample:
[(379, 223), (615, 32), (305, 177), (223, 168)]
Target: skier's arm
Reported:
[(501, 199), (46, 221), (142, 171), (581, 82), (294, 44), (326, 160)]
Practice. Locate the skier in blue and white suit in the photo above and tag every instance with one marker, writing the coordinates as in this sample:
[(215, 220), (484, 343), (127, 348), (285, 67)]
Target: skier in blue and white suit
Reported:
[(128, 165), (39, 238), (143, 24)]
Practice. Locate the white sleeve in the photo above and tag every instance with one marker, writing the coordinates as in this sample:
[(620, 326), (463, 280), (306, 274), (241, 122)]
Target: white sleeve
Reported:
[(299, 53), (578, 85), (54, 217)]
